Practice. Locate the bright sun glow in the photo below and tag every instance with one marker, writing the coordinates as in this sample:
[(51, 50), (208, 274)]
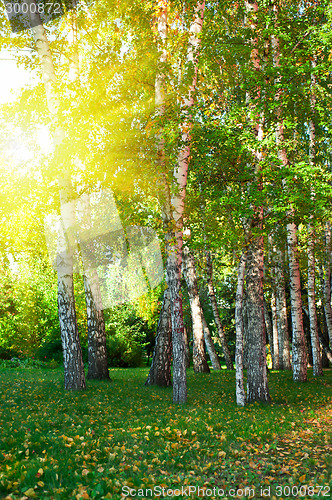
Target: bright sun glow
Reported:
[(12, 77)]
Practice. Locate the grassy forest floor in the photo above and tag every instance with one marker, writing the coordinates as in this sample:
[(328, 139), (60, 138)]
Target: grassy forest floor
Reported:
[(121, 438)]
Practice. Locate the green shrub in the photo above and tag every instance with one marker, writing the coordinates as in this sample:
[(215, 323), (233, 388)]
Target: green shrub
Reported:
[(51, 350), (124, 353), (7, 353), (21, 363), (128, 336), (52, 364)]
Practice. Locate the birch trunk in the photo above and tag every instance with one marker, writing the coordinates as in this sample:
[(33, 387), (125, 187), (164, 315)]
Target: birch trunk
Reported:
[(245, 330), (97, 351), (199, 356), (240, 392), (160, 370), (174, 259), (74, 376), (325, 346), (275, 350), (210, 346), (299, 361), (213, 301), (274, 336), (186, 343), (268, 327), (326, 282), (315, 348), (281, 309), (316, 354), (257, 386)]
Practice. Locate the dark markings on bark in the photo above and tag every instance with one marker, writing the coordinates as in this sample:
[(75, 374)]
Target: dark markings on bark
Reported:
[(160, 370), (72, 352), (239, 327), (257, 385), (173, 272), (281, 308), (210, 345), (97, 352), (186, 343), (199, 356), (299, 358)]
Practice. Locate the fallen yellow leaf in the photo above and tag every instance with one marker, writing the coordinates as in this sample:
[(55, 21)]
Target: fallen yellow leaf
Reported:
[(30, 492)]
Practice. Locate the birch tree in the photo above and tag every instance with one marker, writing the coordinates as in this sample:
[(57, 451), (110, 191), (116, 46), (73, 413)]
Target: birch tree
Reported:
[(316, 354), (257, 384), (72, 353), (299, 361), (240, 392), (174, 258), (97, 351)]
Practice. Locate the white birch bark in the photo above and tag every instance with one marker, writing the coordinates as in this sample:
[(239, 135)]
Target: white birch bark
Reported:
[(326, 281), (315, 347), (199, 356), (281, 309), (186, 343), (268, 327), (299, 360), (174, 259), (257, 383), (97, 350), (73, 363), (316, 353), (210, 345), (240, 392), (160, 370), (245, 330), (275, 344)]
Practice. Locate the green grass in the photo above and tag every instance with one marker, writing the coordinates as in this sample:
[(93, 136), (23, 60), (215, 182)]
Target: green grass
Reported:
[(63, 445)]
